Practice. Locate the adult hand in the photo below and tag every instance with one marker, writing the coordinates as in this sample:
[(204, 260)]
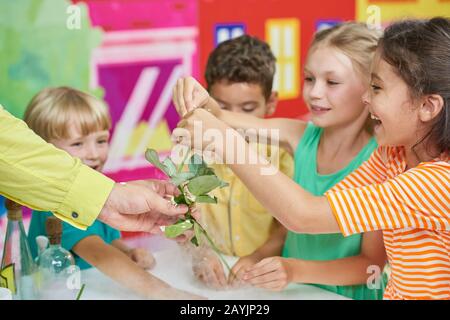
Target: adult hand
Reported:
[(141, 206)]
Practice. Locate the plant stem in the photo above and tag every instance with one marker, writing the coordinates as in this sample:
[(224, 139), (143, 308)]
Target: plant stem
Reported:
[(213, 246), (203, 231), (81, 291)]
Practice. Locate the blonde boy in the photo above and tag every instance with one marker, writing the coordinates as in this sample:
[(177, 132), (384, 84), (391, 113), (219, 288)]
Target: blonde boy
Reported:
[(79, 123)]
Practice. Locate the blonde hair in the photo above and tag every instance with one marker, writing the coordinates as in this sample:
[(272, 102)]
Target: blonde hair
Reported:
[(358, 42), (52, 110), (354, 39)]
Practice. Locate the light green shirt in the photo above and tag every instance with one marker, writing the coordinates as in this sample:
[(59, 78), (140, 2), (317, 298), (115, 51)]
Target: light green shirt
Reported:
[(326, 246)]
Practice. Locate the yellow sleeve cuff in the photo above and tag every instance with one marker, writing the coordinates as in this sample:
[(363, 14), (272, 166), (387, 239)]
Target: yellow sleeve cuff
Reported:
[(85, 198)]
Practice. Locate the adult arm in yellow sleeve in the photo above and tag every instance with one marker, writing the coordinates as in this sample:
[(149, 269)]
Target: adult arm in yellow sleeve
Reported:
[(36, 174)]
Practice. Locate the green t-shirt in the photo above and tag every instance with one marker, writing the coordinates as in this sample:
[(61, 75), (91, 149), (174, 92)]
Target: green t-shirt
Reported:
[(71, 235), (326, 246)]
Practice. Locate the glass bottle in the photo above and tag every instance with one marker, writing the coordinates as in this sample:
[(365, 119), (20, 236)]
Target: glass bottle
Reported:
[(41, 244), (56, 265), (18, 270)]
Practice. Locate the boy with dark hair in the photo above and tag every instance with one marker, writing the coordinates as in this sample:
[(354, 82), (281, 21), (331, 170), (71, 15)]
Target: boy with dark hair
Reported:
[(239, 76)]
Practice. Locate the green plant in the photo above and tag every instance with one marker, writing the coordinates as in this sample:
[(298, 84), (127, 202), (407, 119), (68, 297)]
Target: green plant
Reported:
[(195, 186)]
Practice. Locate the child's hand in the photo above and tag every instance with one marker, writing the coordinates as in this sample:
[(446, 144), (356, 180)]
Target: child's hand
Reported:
[(209, 270), (191, 131), (239, 269), (142, 257), (188, 95), (273, 273)]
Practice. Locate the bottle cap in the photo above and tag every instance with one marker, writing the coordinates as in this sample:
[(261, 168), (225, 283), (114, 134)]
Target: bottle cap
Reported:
[(54, 230), (14, 210)]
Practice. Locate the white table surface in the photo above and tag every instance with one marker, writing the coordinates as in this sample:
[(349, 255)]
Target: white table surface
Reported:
[(174, 266)]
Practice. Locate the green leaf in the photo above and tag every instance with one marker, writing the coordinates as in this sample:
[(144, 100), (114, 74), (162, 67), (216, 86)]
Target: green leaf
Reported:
[(205, 199), (152, 156), (180, 199), (171, 169), (205, 171), (198, 233), (177, 229), (179, 178), (196, 163), (201, 180), (223, 184), (203, 184), (194, 241)]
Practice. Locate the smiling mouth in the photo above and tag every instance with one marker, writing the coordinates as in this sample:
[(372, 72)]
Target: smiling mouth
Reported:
[(375, 119), (319, 109)]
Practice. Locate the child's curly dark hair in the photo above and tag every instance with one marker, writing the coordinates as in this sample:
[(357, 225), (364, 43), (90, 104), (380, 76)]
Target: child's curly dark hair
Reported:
[(242, 59)]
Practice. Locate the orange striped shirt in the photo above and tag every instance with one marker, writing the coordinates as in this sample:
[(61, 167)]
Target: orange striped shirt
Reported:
[(412, 207)]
